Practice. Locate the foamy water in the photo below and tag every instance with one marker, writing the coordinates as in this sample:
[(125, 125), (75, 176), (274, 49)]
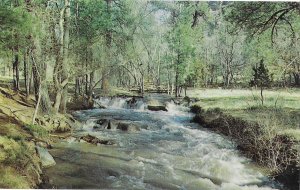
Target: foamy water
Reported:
[(170, 153)]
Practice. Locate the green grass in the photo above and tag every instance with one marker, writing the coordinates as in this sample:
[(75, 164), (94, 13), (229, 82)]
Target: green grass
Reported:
[(243, 99), (281, 107), (10, 178), (37, 131)]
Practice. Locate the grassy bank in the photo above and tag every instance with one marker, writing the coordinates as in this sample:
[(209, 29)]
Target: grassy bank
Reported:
[(20, 163), (281, 107), (268, 134)]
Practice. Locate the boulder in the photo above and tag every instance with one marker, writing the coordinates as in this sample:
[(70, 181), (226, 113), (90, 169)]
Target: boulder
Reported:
[(157, 108), (186, 101), (131, 102), (127, 126), (102, 121), (175, 101), (46, 158), (94, 140), (99, 105), (112, 124), (101, 124)]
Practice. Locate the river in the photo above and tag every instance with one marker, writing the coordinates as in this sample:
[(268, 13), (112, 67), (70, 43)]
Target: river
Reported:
[(162, 150)]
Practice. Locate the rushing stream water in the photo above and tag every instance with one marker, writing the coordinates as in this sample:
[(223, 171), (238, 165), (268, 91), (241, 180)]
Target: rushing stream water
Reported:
[(162, 151)]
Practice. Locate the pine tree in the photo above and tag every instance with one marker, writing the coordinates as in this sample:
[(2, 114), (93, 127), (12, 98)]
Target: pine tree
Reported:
[(261, 78)]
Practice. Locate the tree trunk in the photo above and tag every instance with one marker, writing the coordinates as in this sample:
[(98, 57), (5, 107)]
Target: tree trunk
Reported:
[(26, 72), (91, 86), (40, 85), (66, 40), (61, 68), (296, 79), (77, 87), (16, 72), (86, 82), (57, 100), (177, 76), (108, 38), (142, 87), (36, 82), (64, 99), (261, 96)]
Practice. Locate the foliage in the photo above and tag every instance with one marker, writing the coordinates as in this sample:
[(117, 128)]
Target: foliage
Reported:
[(258, 17), (261, 76), (125, 44)]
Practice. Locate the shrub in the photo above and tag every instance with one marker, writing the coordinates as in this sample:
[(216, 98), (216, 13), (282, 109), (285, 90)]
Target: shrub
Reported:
[(261, 78), (195, 109)]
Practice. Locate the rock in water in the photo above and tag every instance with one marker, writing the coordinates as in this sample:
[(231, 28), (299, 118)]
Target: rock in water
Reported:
[(157, 108), (128, 126), (46, 158), (101, 124), (94, 140), (101, 121)]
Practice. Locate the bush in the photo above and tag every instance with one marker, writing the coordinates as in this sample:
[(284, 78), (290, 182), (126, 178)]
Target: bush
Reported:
[(195, 109)]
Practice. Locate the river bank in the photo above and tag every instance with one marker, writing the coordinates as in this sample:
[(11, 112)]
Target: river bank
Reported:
[(267, 135), (23, 146)]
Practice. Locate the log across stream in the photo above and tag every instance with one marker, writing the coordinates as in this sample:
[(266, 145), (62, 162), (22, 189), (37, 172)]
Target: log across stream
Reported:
[(151, 150)]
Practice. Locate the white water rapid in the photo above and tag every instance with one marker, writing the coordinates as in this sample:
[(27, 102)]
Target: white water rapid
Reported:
[(160, 150)]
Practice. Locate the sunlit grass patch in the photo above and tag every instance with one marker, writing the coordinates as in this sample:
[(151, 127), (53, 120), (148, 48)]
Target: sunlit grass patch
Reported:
[(13, 152), (242, 99), (10, 178), (281, 107)]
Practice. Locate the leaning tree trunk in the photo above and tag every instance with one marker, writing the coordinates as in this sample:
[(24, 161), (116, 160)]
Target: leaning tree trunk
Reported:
[(40, 84), (60, 76)]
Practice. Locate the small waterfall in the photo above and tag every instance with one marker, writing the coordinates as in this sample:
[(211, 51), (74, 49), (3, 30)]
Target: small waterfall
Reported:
[(176, 109), (125, 103)]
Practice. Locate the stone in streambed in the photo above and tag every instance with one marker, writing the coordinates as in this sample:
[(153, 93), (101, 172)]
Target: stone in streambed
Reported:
[(94, 140), (127, 126), (157, 108), (101, 124), (101, 121), (45, 156)]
